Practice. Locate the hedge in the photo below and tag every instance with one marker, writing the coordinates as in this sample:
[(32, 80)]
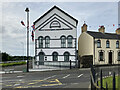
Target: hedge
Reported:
[(12, 64)]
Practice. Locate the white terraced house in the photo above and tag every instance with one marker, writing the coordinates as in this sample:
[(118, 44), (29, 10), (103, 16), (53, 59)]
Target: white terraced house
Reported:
[(55, 38)]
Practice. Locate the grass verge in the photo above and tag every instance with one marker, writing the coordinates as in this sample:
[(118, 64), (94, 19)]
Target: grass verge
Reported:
[(109, 81)]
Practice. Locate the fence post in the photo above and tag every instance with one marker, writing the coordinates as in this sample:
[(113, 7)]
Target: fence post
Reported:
[(114, 83), (101, 80), (70, 64)]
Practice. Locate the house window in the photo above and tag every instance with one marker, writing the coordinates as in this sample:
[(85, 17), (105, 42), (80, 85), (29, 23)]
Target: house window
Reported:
[(117, 44), (107, 44), (98, 43), (119, 55), (66, 56), (55, 56), (69, 41), (47, 42), (101, 56), (63, 41), (40, 42)]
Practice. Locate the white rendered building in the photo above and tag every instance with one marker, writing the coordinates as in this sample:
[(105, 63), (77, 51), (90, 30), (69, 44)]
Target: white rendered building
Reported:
[(55, 38)]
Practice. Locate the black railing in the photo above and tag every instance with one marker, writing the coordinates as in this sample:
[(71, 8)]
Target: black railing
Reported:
[(97, 79)]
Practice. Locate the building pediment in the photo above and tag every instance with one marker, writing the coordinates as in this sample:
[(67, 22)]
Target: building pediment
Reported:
[(55, 24)]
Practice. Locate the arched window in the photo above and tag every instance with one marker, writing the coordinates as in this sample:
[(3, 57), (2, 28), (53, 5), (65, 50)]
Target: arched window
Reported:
[(47, 42), (117, 44), (101, 55), (107, 44), (69, 41), (63, 41), (55, 56), (119, 55), (66, 56), (40, 39), (98, 43)]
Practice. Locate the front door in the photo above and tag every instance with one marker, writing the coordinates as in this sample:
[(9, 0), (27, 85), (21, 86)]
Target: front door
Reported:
[(41, 58), (110, 57)]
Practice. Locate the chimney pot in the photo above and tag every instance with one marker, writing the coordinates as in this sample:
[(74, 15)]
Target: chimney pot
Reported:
[(102, 29), (84, 28), (118, 31)]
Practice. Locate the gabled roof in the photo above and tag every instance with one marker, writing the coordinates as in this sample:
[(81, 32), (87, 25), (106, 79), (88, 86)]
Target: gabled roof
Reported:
[(104, 35), (59, 10)]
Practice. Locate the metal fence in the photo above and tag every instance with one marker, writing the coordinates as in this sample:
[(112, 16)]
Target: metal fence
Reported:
[(98, 73)]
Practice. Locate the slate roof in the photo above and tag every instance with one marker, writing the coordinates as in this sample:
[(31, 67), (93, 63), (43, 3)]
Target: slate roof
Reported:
[(58, 9), (104, 35)]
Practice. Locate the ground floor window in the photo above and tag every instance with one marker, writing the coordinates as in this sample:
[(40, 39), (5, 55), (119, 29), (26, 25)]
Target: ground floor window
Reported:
[(66, 56), (119, 55), (101, 55), (55, 56)]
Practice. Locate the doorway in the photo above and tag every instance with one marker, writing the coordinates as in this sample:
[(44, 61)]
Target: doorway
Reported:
[(110, 57), (41, 58)]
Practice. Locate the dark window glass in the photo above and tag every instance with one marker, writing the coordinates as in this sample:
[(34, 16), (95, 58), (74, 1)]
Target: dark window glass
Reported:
[(117, 44), (118, 55), (69, 41), (47, 42), (66, 56), (107, 44), (55, 56), (40, 42), (63, 41), (98, 43), (101, 56)]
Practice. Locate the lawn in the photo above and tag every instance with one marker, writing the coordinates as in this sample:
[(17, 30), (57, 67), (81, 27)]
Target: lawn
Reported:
[(12, 64), (109, 81)]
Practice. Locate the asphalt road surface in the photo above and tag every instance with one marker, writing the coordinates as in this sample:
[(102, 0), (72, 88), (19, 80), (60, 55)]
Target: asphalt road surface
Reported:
[(74, 78)]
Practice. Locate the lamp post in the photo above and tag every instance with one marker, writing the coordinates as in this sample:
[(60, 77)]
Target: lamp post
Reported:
[(27, 10)]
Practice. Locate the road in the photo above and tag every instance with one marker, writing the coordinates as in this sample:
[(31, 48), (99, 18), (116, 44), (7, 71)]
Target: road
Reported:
[(74, 78), (70, 78)]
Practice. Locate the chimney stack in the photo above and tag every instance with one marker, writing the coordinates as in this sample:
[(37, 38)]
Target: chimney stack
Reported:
[(118, 31), (84, 28), (102, 29)]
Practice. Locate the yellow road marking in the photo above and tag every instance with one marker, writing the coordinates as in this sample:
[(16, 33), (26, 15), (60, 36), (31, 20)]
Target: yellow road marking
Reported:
[(8, 85), (57, 82)]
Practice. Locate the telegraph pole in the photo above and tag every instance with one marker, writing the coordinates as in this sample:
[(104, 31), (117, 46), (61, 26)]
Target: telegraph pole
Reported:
[(27, 10)]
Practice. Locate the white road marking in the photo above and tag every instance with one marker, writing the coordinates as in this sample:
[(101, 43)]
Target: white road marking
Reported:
[(16, 84), (66, 76), (20, 76), (80, 75), (49, 77)]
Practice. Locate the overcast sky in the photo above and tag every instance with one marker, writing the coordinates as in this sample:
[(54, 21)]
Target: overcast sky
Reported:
[(14, 34)]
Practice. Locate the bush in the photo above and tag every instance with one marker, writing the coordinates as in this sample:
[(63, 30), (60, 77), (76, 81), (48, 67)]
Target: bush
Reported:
[(12, 64)]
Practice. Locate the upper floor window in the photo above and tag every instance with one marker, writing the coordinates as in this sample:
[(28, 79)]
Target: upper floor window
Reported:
[(107, 44), (119, 55), (55, 56), (69, 41), (98, 43), (117, 44), (63, 41), (66, 56), (40, 40), (47, 41)]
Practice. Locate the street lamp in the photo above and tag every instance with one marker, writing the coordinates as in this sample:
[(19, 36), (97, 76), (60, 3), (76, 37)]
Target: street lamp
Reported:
[(27, 10)]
